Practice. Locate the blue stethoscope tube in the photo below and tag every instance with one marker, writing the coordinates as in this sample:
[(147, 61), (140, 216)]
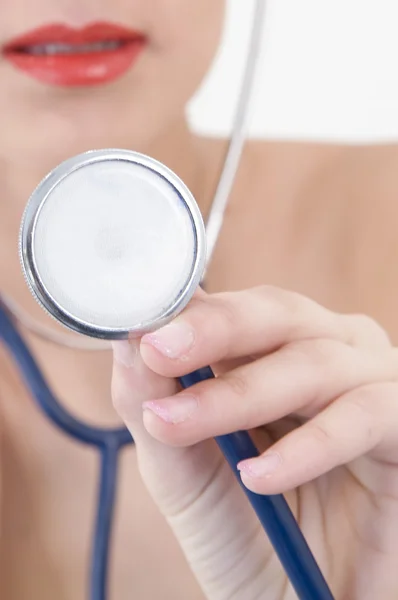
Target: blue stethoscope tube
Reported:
[(109, 443), (272, 511)]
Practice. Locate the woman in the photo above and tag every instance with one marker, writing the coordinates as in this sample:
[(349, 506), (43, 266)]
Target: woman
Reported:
[(319, 220)]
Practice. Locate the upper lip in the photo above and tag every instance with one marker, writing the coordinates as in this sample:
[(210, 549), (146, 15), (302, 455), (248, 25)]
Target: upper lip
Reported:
[(65, 34)]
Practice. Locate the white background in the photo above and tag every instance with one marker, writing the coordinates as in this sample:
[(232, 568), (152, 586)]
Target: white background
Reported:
[(328, 71)]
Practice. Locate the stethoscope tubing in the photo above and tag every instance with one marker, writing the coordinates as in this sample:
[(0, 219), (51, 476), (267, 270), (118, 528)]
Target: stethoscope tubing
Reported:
[(109, 443), (273, 513)]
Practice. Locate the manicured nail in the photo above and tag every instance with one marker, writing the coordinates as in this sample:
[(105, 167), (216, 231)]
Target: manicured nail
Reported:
[(174, 340), (173, 410), (125, 353), (264, 466)]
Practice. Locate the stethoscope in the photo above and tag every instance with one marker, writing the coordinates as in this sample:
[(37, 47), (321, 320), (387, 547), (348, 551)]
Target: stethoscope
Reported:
[(113, 246)]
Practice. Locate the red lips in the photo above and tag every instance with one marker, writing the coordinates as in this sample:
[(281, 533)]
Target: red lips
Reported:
[(60, 55)]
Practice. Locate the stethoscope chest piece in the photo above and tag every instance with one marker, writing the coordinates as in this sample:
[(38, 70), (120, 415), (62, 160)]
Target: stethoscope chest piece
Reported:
[(112, 244)]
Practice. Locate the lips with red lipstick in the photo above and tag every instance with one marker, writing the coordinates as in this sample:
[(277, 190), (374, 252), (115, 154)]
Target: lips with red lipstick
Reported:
[(60, 55)]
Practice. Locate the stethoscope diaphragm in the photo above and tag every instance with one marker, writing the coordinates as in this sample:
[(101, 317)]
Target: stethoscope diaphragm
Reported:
[(112, 244)]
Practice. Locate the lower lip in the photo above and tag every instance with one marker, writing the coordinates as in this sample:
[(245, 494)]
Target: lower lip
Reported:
[(74, 70)]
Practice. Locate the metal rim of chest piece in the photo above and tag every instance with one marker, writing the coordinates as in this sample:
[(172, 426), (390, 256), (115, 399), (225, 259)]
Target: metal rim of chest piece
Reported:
[(42, 195)]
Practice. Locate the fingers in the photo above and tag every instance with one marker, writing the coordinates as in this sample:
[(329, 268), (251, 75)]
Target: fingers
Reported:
[(299, 379), (359, 422), (230, 325)]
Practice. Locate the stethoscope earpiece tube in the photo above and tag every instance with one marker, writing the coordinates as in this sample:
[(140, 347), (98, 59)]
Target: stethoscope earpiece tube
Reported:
[(273, 513)]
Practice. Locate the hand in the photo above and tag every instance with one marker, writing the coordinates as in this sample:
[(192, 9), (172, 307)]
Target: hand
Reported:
[(320, 392)]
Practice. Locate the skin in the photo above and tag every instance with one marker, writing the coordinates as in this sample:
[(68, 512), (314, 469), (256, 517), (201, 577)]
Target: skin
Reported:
[(320, 220)]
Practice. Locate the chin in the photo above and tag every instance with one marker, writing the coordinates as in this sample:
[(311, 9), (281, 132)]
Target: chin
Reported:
[(53, 133), (44, 126)]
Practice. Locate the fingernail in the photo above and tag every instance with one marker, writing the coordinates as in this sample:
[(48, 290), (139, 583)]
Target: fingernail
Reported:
[(125, 353), (174, 340), (264, 466), (173, 410)]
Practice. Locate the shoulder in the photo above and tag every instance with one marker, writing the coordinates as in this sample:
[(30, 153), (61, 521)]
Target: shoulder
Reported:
[(259, 152), (372, 164), (311, 170), (361, 176), (280, 163)]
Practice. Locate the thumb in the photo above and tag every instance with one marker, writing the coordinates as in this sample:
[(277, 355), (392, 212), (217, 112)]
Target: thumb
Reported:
[(133, 383), (166, 471)]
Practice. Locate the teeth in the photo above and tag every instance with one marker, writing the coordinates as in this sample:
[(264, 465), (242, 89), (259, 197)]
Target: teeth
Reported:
[(53, 49)]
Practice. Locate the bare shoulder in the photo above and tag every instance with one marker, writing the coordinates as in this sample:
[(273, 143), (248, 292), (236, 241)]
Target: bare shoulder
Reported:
[(372, 167), (258, 153), (280, 163), (311, 170), (375, 168)]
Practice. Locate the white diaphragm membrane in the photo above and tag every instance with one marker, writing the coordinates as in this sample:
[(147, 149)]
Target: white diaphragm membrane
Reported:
[(114, 244)]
